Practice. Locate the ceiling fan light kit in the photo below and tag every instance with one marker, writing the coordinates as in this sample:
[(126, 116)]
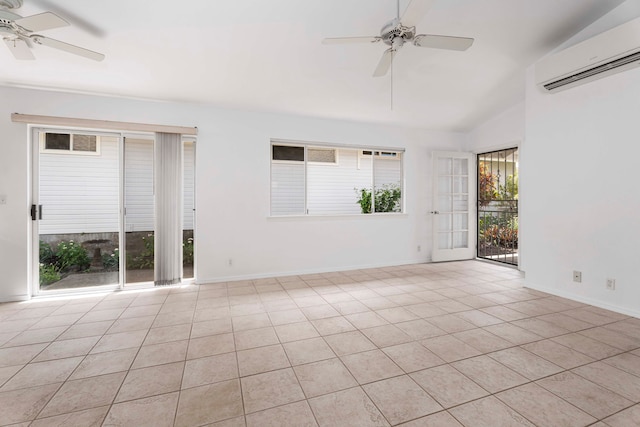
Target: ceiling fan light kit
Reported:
[(20, 33)]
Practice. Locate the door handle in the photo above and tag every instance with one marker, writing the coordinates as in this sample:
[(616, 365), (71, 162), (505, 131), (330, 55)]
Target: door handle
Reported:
[(434, 212), (36, 212)]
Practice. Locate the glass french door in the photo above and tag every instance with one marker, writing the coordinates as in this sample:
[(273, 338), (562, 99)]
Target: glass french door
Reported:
[(76, 210), (454, 206)]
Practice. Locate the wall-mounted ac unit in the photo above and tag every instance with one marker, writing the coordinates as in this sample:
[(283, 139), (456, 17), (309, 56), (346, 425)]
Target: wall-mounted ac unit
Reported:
[(607, 53)]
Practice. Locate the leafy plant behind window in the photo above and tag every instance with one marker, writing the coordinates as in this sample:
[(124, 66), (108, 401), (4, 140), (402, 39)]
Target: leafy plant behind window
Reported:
[(387, 199)]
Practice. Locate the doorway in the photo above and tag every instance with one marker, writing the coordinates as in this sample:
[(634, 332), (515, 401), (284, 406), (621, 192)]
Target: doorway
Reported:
[(76, 210), (93, 210), (139, 209), (453, 199), (498, 206)]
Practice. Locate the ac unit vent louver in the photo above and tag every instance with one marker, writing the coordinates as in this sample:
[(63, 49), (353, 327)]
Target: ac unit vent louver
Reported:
[(608, 53), (594, 71)]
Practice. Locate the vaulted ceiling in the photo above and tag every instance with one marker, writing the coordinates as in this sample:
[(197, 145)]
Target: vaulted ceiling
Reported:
[(267, 55)]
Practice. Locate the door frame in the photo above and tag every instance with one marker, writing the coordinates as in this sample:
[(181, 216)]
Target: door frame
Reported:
[(517, 144), (34, 187), (455, 254), (34, 192)]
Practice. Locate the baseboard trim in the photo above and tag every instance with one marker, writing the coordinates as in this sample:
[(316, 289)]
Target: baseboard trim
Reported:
[(253, 276), (584, 300), (15, 298)]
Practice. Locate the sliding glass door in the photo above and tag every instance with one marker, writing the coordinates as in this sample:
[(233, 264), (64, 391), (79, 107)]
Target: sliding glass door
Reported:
[(94, 219), (139, 212), (76, 209), (189, 207)]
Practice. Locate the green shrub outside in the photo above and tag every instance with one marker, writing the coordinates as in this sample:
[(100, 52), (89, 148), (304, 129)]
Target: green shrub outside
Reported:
[(69, 256), (387, 199), (72, 256)]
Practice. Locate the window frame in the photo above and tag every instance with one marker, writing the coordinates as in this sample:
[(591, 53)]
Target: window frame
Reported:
[(70, 151), (399, 156), (376, 154), (334, 163)]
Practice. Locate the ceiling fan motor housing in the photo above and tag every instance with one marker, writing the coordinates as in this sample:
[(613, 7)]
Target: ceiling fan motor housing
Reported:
[(6, 20), (394, 30), (6, 17)]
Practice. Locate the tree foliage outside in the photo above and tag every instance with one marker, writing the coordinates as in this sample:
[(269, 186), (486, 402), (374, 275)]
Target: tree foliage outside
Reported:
[(498, 222), (509, 191), (487, 189), (490, 189)]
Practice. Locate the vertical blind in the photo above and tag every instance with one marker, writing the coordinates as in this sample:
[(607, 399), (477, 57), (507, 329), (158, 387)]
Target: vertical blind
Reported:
[(168, 205)]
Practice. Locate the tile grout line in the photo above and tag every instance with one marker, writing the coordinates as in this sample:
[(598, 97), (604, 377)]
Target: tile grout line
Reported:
[(263, 299)]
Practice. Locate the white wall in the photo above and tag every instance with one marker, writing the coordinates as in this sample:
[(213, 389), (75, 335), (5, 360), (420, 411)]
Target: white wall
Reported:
[(506, 130), (232, 176), (580, 200)]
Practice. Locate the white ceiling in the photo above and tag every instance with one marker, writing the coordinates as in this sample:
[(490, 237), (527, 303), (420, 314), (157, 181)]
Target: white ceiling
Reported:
[(267, 55)]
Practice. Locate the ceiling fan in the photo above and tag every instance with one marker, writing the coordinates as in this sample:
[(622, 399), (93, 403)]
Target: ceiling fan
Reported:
[(20, 34), (398, 31)]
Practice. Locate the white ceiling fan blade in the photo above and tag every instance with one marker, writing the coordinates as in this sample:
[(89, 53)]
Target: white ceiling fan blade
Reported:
[(384, 64), (20, 49), (347, 40), (76, 50), (69, 15), (415, 11), (41, 22), (442, 42)]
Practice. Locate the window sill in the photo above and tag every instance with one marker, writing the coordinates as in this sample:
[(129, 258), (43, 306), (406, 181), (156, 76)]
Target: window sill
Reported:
[(337, 217)]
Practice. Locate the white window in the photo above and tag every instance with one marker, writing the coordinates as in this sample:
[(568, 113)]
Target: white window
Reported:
[(322, 155), (317, 180), (381, 154), (69, 143)]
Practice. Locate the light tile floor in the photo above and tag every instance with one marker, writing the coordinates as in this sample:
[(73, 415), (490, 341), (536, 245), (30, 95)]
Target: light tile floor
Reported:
[(453, 344)]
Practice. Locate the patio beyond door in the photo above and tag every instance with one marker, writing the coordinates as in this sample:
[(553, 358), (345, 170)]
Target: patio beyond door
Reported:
[(498, 206)]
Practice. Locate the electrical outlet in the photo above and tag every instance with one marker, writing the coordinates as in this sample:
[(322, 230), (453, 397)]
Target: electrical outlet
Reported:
[(230, 262), (577, 276), (611, 284), (419, 248), (3, 199)]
